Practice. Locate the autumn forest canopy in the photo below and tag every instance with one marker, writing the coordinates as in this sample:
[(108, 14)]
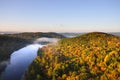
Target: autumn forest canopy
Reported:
[(91, 56)]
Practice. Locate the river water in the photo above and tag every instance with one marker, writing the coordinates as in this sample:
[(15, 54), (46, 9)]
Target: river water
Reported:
[(21, 59), (19, 62)]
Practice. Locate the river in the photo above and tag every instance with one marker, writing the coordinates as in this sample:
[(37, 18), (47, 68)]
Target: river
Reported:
[(21, 59)]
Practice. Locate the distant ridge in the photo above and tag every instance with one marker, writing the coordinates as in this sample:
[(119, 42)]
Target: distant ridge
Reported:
[(34, 35), (72, 34), (97, 34)]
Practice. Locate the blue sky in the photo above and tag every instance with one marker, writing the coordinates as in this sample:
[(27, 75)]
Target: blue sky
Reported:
[(60, 15)]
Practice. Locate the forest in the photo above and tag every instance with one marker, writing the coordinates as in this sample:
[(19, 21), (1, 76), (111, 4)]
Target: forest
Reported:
[(91, 56)]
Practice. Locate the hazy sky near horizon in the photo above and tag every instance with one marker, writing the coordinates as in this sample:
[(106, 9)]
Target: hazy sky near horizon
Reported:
[(60, 15)]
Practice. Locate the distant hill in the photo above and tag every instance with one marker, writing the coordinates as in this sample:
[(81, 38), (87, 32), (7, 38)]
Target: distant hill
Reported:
[(35, 35), (74, 34), (115, 33), (91, 56)]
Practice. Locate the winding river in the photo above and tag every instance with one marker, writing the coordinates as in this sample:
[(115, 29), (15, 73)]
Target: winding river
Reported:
[(21, 59)]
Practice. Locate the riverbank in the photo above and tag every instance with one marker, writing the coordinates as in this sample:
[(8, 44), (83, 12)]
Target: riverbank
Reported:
[(3, 65), (10, 44)]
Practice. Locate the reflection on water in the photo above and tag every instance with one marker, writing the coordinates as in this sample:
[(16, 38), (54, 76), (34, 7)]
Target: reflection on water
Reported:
[(19, 61)]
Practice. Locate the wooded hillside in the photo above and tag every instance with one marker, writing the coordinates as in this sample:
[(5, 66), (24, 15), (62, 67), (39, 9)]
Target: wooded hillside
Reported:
[(92, 56)]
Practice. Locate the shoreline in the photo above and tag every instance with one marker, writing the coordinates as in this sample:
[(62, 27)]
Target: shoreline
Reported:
[(3, 65)]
